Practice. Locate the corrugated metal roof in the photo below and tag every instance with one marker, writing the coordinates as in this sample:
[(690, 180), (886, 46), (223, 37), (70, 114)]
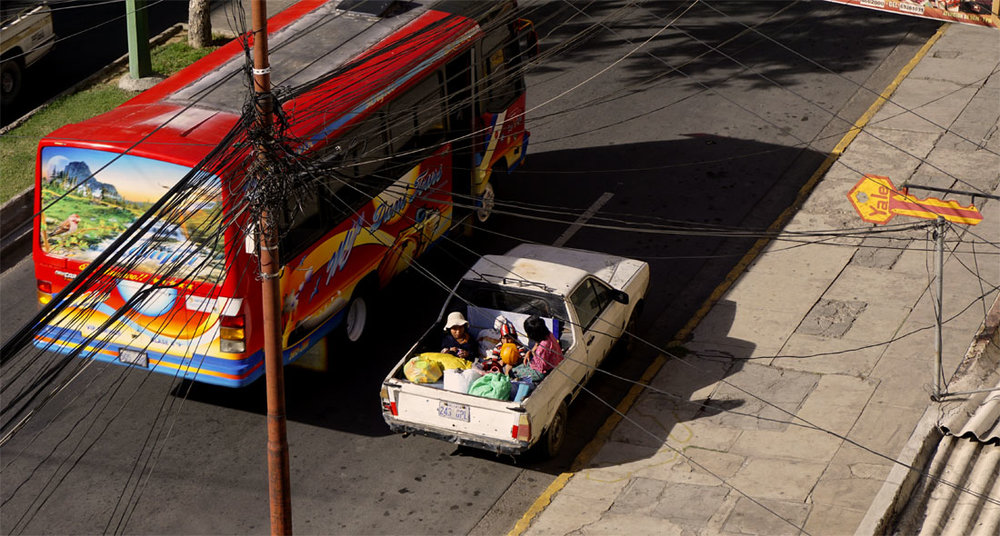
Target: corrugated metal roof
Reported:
[(977, 418), (959, 492), (962, 495)]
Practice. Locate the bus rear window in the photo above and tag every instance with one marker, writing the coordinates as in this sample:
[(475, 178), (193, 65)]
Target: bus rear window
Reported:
[(90, 197)]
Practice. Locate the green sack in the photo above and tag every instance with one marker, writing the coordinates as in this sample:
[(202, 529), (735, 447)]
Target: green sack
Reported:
[(492, 385)]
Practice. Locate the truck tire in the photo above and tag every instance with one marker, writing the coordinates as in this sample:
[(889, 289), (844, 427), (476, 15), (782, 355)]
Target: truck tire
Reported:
[(555, 436), (11, 77)]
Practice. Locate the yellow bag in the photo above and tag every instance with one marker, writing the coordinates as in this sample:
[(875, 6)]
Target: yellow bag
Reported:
[(422, 370), (447, 361)]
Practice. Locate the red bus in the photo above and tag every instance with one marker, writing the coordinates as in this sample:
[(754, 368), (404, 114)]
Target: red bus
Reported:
[(413, 106)]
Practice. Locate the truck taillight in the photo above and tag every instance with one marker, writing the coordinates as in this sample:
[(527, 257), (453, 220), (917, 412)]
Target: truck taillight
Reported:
[(44, 291), (232, 334), (387, 404), (522, 430)]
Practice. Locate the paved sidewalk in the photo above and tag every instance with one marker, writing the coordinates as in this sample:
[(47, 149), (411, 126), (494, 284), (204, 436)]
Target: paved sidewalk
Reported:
[(716, 449)]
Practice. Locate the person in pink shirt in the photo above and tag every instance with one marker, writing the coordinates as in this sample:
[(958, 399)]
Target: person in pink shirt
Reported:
[(546, 353)]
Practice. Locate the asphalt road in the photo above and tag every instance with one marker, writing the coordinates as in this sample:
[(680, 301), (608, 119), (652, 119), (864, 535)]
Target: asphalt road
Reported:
[(673, 134)]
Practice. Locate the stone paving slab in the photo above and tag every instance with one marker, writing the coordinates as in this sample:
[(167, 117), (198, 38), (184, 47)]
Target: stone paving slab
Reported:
[(928, 107), (867, 153)]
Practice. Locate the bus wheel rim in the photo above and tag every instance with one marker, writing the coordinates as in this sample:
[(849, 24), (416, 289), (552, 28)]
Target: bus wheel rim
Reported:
[(356, 317), (486, 203)]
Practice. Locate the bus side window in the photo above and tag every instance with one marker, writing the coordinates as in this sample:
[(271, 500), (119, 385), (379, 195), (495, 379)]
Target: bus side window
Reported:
[(301, 223), (360, 152), (500, 61), (417, 117), (376, 151)]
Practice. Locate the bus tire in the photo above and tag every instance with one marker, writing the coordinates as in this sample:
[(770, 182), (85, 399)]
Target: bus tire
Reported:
[(555, 435), (11, 78), (357, 314)]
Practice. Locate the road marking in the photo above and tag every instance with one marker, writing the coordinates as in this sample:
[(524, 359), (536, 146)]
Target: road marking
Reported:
[(587, 214), (595, 444)]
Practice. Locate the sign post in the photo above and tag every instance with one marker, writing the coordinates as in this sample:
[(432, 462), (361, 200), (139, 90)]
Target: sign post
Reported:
[(877, 201)]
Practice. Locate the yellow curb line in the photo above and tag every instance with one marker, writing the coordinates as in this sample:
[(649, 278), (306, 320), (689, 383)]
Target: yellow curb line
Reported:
[(595, 444)]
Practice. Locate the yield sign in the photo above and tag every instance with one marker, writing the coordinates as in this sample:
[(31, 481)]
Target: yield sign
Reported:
[(877, 201)]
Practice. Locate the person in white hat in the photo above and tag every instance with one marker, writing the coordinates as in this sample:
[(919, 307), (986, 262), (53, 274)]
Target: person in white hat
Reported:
[(457, 341)]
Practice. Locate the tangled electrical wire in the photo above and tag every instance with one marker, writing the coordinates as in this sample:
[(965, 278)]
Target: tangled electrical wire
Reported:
[(256, 180)]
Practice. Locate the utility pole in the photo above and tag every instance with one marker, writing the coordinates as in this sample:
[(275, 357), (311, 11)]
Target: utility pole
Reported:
[(137, 29), (279, 482)]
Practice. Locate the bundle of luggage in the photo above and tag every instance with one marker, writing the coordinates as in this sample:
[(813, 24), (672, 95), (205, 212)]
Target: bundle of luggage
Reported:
[(482, 378)]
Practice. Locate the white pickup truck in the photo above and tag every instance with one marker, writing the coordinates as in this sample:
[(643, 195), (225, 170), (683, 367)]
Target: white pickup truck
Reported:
[(25, 36), (589, 300)]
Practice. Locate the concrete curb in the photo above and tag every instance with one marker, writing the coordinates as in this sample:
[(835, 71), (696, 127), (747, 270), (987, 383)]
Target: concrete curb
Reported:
[(15, 214), (15, 228)]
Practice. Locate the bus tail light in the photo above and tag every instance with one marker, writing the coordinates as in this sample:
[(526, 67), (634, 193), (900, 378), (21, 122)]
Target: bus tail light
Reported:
[(522, 430), (44, 291), (232, 334)]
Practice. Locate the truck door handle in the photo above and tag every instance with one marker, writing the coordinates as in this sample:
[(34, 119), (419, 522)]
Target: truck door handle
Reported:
[(590, 340)]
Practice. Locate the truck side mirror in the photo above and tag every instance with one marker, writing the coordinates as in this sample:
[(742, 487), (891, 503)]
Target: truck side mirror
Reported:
[(621, 297)]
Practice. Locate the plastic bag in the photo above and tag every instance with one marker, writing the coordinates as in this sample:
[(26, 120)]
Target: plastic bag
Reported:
[(460, 380), (487, 339), (447, 361), (520, 389), (422, 370), (492, 385)]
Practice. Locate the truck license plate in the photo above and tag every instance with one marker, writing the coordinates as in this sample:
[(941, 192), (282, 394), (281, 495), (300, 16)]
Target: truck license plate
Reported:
[(133, 357), (451, 410)]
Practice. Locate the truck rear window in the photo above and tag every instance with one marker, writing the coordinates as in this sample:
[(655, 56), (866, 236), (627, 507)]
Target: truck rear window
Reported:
[(482, 294)]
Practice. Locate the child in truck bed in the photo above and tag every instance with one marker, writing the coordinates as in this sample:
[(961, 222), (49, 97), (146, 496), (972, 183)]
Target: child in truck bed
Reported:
[(457, 341), (543, 356)]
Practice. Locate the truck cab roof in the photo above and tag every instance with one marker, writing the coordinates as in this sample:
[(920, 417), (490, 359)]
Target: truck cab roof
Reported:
[(558, 269)]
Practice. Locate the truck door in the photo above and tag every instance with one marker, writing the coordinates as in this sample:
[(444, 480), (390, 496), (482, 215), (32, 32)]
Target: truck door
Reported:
[(600, 318)]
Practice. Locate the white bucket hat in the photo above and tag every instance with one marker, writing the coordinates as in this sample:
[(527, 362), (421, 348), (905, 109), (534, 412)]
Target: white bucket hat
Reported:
[(455, 319)]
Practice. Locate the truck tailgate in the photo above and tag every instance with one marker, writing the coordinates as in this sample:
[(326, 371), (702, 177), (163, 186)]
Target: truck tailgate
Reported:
[(456, 412)]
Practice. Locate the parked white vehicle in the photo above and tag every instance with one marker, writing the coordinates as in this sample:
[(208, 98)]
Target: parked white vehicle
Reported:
[(589, 300), (26, 35)]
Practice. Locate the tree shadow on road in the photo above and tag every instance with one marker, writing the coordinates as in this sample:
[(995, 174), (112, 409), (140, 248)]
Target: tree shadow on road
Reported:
[(813, 37)]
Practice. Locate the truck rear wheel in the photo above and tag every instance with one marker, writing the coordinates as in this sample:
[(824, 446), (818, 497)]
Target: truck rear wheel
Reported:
[(555, 436)]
